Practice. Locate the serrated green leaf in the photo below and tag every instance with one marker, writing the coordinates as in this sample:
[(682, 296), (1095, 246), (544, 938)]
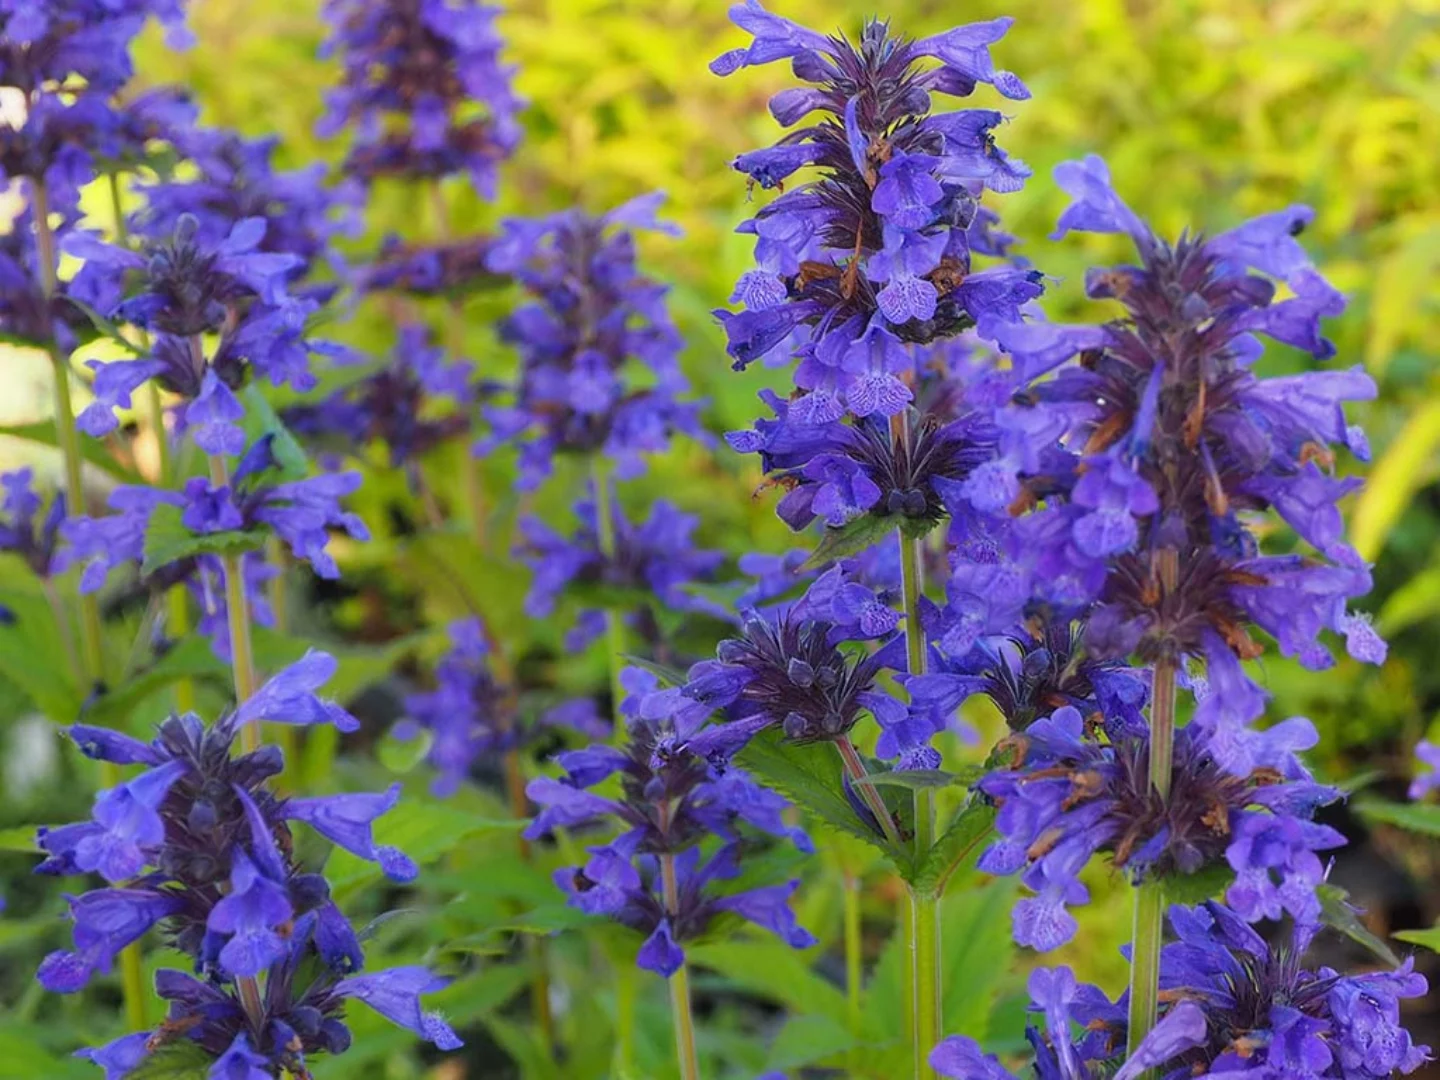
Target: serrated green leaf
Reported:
[(1337, 913), (810, 776), (1426, 939), (182, 1060), (964, 837), (808, 1040), (167, 540), (848, 539), (261, 420), (1423, 818)]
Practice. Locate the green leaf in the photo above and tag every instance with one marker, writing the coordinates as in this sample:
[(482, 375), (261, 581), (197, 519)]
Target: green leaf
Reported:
[(42, 433), (401, 756), (774, 971), (849, 539), (192, 658), (1399, 473), (422, 828), (966, 834), (1426, 939), (1423, 818), (1337, 913), (167, 540), (20, 838), (808, 1040), (33, 651), (811, 777), (182, 1060), (1192, 889), (261, 420)]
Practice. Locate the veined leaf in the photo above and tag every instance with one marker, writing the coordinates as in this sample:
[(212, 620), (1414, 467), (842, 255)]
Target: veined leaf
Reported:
[(1426, 939), (848, 539), (260, 420), (167, 540), (966, 835), (1423, 818), (811, 777), (192, 658), (776, 971)]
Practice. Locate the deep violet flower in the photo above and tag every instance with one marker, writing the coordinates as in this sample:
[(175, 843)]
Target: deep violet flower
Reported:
[(300, 512), (674, 805), (592, 318), (23, 530), (1069, 796), (199, 845), (424, 89), (1175, 440), (474, 713), (651, 564), (1232, 1005), (876, 251), (417, 401)]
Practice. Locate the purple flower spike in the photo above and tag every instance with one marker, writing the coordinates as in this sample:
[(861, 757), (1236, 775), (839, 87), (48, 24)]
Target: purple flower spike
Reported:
[(289, 697)]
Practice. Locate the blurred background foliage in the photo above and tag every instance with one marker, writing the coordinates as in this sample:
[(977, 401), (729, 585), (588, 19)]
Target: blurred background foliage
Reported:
[(1209, 111)]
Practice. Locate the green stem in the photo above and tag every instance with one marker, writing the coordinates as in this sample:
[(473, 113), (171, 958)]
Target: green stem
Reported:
[(680, 1011), (92, 642), (614, 626), (868, 792), (1150, 895), (854, 958), (624, 1018), (237, 609), (925, 969)]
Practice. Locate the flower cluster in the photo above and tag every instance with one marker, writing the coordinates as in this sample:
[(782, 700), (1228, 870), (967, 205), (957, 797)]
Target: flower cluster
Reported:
[(234, 180), (473, 715), (1070, 797), (659, 877), (787, 670), (635, 566), (1173, 439), (875, 252), (256, 500), (1234, 1005), (592, 315), (449, 269), (68, 58), (199, 844), (414, 403), (424, 88)]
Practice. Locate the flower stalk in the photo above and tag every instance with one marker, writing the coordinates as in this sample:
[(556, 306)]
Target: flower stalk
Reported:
[(1150, 895), (681, 1013)]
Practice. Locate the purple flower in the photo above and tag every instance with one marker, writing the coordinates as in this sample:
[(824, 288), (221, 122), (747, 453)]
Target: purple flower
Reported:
[(423, 87), (347, 819), (671, 797), (395, 995), (289, 697), (592, 315), (22, 529), (1427, 779), (876, 252), (1068, 798)]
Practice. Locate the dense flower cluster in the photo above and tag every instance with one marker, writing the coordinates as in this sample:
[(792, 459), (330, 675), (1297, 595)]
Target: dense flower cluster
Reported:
[(1070, 796), (448, 269), (424, 88), (412, 404), (787, 670), (635, 566), (876, 252), (592, 315), (199, 844), (1236, 1006), (660, 877), (473, 714), (1174, 439)]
